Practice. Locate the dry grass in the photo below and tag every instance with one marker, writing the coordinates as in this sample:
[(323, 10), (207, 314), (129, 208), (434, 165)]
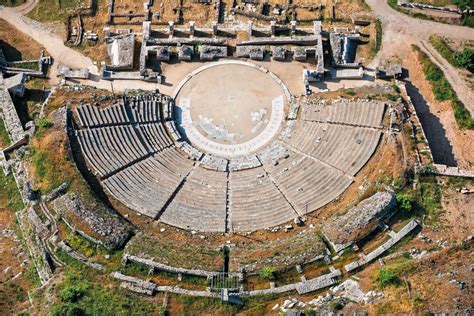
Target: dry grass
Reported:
[(16, 45)]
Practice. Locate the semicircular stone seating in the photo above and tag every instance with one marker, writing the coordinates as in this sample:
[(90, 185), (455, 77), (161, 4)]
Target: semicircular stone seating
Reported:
[(131, 149)]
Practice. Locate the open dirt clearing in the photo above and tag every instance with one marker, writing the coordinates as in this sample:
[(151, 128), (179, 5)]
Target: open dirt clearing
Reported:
[(227, 95)]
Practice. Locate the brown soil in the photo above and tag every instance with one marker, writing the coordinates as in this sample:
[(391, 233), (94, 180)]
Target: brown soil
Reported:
[(14, 283)]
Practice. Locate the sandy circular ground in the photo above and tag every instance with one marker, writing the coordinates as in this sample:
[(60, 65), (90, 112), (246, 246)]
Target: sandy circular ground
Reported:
[(228, 105)]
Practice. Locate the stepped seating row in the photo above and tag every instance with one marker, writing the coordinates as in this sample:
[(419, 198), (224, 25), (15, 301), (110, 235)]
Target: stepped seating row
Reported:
[(256, 202), (360, 113), (108, 149), (307, 183), (147, 110), (93, 116), (155, 136), (126, 111), (200, 203), (347, 148), (147, 186)]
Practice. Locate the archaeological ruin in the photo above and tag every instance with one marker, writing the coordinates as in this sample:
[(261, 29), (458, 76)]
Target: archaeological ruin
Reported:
[(240, 152)]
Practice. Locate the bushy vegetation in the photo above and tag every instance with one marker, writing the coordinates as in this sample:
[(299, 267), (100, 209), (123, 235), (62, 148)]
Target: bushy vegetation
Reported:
[(267, 273), (405, 201), (424, 202), (392, 97), (387, 277), (443, 90), (350, 91), (460, 59), (44, 123), (392, 274)]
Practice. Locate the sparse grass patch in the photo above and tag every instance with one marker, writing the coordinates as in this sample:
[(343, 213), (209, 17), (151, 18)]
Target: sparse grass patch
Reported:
[(53, 10), (430, 199), (32, 276), (80, 294), (10, 196), (135, 269), (392, 273), (84, 246), (204, 305), (4, 136)]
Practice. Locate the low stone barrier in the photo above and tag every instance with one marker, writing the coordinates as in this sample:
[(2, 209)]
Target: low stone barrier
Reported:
[(380, 250), (444, 170), (303, 287), (166, 268)]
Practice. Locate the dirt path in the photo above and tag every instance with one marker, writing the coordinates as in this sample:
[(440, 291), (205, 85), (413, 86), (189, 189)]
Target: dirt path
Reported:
[(53, 44), (401, 30), (459, 85)]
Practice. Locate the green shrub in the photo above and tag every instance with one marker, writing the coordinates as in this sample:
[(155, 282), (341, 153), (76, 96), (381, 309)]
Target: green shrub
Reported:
[(392, 97), (44, 123), (71, 294), (386, 278), (405, 201), (66, 310), (350, 91), (465, 59), (267, 273), (462, 115)]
